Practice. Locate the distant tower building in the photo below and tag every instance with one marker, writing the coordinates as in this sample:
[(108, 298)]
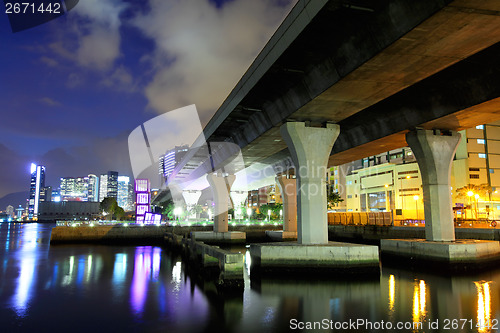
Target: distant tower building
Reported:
[(93, 188), (124, 199), (10, 211), (46, 194), (169, 161), (19, 212), (109, 186), (74, 189), (37, 183), (103, 187)]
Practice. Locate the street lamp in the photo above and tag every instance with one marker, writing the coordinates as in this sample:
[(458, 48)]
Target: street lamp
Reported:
[(416, 197), (476, 196), (470, 194)]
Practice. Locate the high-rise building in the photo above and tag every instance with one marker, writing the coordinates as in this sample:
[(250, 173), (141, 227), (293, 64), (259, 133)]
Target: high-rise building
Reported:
[(93, 188), (124, 199), (169, 161), (37, 183), (74, 188), (103, 187), (108, 185), (46, 194)]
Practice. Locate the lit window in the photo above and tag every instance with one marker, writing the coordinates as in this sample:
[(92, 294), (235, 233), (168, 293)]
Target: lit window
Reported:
[(481, 155), (480, 141), (480, 126)]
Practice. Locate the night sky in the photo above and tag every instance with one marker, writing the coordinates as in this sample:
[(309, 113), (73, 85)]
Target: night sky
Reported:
[(73, 89)]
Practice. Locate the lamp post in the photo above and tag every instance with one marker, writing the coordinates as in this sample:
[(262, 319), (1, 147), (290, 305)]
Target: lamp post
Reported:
[(469, 195), (476, 196)]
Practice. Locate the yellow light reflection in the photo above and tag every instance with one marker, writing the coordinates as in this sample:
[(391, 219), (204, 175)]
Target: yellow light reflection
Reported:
[(483, 306), (392, 291), (419, 302)]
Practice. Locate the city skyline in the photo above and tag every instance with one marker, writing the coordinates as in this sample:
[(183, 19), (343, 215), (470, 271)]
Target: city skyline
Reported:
[(71, 109)]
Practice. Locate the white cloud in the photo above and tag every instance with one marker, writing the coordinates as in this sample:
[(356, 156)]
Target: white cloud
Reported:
[(93, 39), (119, 79), (201, 51)]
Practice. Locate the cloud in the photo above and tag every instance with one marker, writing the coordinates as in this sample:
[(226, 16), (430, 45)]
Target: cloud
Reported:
[(49, 61), (93, 38), (201, 51), (49, 101), (120, 79)]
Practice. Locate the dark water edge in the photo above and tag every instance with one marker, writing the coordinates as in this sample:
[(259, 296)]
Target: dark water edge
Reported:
[(118, 288)]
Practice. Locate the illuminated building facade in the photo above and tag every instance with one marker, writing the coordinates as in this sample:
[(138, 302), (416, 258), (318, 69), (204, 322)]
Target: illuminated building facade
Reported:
[(169, 161), (391, 181), (142, 199), (37, 183), (74, 188), (93, 188), (125, 200), (108, 187)]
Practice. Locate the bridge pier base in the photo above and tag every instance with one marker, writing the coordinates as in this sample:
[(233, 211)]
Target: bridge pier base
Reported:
[(288, 189), (434, 151), (310, 148), (221, 187)]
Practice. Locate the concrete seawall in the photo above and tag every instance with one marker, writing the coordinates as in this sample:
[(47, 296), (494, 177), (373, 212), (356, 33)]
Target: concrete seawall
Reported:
[(107, 234), (142, 234), (373, 234)]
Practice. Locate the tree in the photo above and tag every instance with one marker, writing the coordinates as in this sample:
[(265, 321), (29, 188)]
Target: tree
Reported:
[(197, 210), (167, 209), (110, 207), (333, 197), (470, 191), (483, 190), (107, 205)]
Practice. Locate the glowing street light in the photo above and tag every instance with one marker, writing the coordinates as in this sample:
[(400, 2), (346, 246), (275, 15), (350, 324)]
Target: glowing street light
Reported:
[(416, 197)]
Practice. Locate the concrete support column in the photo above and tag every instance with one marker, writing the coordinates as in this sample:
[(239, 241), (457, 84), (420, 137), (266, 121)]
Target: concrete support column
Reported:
[(221, 187), (434, 151), (238, 198), (288, 189), (310, 148), (176, 194)]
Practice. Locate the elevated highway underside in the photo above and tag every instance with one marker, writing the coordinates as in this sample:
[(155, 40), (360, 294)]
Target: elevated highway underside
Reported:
[(376, 68)]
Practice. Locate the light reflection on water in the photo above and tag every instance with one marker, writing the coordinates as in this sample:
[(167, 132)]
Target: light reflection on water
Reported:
[(144, 288)]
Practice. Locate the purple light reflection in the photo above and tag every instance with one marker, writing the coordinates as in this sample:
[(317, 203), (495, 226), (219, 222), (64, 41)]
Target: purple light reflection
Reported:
[(146, 268)]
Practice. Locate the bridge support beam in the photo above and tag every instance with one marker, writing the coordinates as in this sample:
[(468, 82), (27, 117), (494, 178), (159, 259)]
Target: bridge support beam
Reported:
[(310, 148), (434, 151), (221, 187)]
